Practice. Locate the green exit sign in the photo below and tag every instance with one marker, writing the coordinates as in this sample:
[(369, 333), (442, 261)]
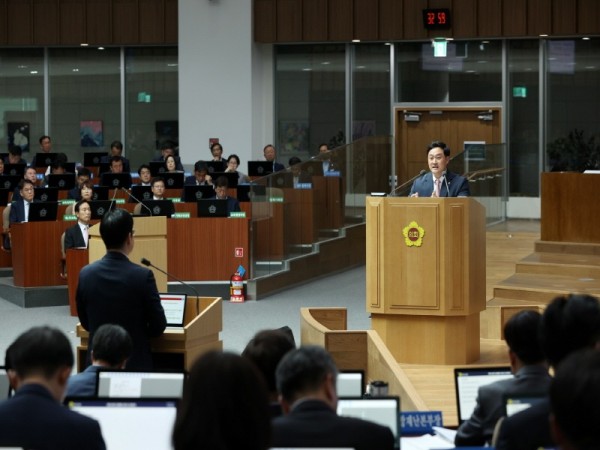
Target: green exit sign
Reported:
[(519, 92)]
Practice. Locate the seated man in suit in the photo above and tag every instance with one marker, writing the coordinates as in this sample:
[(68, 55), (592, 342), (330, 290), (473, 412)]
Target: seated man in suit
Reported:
[(200, 177), (270, 155), (83, 175), (439, 182), (117, 165), (306, 381), (15, 155), (77, 236), (221, 187), (40, 362), (299, 176), (116, 149), (31, 175), (168, 149), (145, 175), (531, 378), (112, 346), (45, 147), (19, 211), (158, 188)]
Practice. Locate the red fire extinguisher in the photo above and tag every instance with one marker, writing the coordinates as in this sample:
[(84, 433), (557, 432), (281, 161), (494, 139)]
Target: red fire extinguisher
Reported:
[(236, 288)]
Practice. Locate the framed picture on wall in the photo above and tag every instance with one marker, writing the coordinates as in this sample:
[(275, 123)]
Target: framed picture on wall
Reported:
[(91, 134), (166, 130), (293, 137), (18, 135)]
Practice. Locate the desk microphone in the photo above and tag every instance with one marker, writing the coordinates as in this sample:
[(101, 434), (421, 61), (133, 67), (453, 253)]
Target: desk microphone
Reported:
[(141, 203), (147, 263), (403, 185), (112, 201)]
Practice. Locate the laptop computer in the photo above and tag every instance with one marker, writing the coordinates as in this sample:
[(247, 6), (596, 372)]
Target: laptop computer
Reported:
[(467, 382), (45, 159), (113, 383), (116, 180), (131, 423), (251, 192), (313, 168), (92, 159), (174, 306), (63, 182), (195, 193), (157, 168), (14, 169), (350, 383), (173, 180), (282, 180), (140, 193), (259, 168), (100, 193), (43, 211), (215, 166), (381, 410), (157, 208), (4, 196), (212, 208), (49, 194), (101, 207), (5, 390), (232, 178), (10, 182)]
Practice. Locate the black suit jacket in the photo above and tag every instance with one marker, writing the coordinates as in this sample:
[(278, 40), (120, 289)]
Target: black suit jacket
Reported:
[(526, 430), (115, 290), (312, 423), (454, 186), (17, 212), (74, 237), (34, 419), (126, 166)]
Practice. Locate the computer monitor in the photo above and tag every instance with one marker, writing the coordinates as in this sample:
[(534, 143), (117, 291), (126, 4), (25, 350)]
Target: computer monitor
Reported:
[(131, 423), (259, 168), (116, 180), (212, 208), (173, 180), (157, 208), (101, 207), (63, 182), (92, 159), (45, 159), (232, 178), (350, 383), (215, 167), (49, 194), (468, 380), (10, 182), (113, 383), (14, 169), (43, 211), (381, 410), (194, 193), (251, 192)]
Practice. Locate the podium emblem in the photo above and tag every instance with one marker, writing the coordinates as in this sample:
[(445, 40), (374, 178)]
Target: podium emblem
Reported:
[(413, 234)]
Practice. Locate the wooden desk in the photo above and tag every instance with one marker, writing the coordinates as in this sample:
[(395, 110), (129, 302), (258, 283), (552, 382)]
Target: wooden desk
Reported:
[(76, 260), (300, 225), (329, 202)]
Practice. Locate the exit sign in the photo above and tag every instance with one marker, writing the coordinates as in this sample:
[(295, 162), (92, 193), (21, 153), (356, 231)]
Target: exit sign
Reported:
[(437, 19)]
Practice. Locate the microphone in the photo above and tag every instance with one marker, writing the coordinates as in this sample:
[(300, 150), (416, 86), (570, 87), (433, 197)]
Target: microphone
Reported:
[(147, 263), (112, 201), (141, 203), (403, 185)]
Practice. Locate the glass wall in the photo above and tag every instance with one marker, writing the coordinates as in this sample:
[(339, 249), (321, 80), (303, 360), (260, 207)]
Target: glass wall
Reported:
[(310, 99), (84, 87), (21, 99), (151, 93)]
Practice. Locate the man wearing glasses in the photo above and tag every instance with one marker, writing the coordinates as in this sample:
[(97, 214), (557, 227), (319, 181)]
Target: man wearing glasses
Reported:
[(115, 290)]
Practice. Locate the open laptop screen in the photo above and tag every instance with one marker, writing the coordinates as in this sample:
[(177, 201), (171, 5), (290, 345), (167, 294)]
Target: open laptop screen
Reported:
[(350, 383), (131, 424), (381, 410), (43, 211), (136, 384), (468, 381)]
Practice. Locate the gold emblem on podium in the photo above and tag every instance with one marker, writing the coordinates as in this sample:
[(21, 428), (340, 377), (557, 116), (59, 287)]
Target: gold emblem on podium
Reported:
[(413, 234)]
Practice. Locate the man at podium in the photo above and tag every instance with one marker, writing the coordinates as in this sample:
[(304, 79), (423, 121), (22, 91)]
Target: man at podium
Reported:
[(115, 290), (439, 182)]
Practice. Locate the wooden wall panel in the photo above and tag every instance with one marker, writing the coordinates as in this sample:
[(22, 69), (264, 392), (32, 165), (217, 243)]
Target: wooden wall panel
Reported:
[(289, 20), (539, 17), (72, 22), (171, 22), (588, 16), (366, 23), (340, 20), (98, 23), (514, 18), (314, 20), (464, 19), (264, 21), (151, 20), (488, 14), (125, 20), (413, 20), (19, 25), (3, 23), (45, 22), (564, 17), (390, 20)]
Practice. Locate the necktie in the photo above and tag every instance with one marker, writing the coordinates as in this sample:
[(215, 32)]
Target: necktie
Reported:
[(84, 231), (436, 189)]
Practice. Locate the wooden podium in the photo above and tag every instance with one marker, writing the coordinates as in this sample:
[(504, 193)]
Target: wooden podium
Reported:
[(426, 277)]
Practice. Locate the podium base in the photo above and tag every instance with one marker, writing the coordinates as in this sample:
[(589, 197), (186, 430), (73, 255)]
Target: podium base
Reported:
[(451, 340)]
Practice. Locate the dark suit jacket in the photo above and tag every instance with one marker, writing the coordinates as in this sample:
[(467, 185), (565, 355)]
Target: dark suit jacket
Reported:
[(530, 380), (126, 167), (34, 419), (83, 384), (311, 423), (527, 430), (17, 211), (115, 290), (458, 186), (74, 237), (278, 166), (191, 181)]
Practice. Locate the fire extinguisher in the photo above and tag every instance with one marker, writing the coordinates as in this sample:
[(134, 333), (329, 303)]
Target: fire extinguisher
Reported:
[(236, 288)]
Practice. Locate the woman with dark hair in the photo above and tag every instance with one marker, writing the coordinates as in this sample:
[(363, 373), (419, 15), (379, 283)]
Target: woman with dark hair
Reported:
[(233, 162), (170, 164), (225, 406)]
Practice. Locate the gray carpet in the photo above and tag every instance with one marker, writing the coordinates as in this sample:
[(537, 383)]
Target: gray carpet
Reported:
[(240, 320)]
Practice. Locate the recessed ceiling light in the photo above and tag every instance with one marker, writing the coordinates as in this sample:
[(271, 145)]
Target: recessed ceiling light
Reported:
[(33, 72), (83, 44), (172, 65), (361, 67), (100, 48), (75, 70), (307, 69), (355, 40), (326, 63), (586, 38)]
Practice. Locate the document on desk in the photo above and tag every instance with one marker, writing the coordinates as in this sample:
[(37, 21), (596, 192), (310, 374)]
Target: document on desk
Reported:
[(445, 433), (425, 442)]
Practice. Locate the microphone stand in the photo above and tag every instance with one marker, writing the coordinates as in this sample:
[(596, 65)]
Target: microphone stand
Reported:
[(406, 183), (133, 197)]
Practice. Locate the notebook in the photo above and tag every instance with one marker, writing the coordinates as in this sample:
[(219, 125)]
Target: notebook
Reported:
[(101, 207), (131, 423), (157, 208), (350, 383), (63, 182), (259, 168), (381, 410), (212, 208), (114, 383), (14, 169), (92, 159), (42, 211), (195, 193), (49, 194), (116, 180), (174, 306), (467, 382)]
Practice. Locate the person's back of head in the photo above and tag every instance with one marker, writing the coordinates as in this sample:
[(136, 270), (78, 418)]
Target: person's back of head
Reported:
[(522, 337), (15, 150), (224, 406), (265, 350), (40, 351), (569, 323), (115, 228), (302, 373), (111, 345), (222, 182), (574, 395)]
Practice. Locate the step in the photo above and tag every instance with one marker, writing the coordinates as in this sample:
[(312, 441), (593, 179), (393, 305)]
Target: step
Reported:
[(499, 310), (565, 264), (579, 248), (544, 288)]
